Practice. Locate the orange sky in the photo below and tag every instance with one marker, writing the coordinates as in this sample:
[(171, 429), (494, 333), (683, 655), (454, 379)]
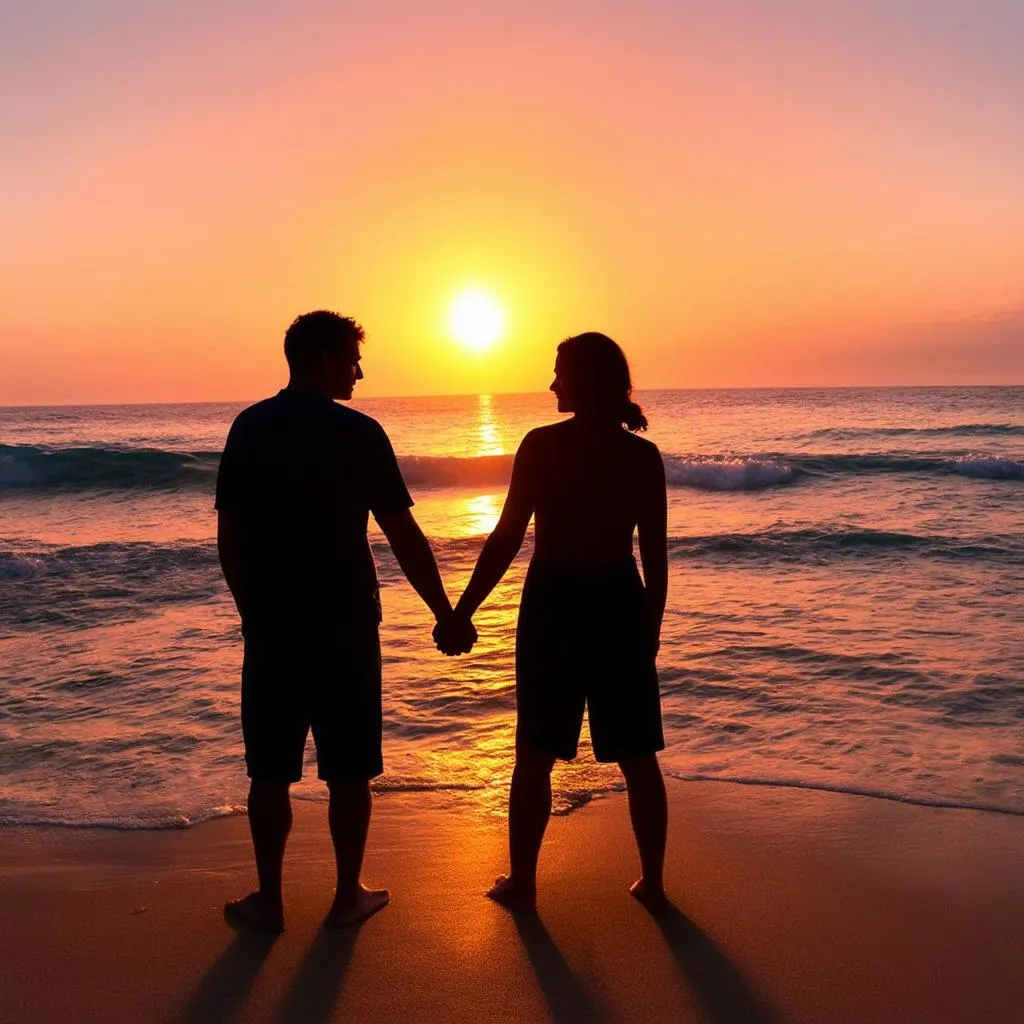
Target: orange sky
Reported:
[(785, 196)]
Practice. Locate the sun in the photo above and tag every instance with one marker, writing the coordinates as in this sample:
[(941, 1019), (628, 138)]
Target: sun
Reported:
[(476, 320)]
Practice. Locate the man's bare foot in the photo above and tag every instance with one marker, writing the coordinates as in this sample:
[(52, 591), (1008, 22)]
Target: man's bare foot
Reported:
[(255, 911), (365, 904), (512, 896), (652, 897)]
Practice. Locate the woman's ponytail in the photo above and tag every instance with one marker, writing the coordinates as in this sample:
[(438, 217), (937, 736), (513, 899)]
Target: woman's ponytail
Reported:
[(633, 416)]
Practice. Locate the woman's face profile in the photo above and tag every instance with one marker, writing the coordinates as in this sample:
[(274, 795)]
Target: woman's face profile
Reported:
[(561, 392)]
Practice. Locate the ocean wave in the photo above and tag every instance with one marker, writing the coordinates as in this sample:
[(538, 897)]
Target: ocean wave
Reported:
[(79, 587), (114, 468), (758, 472), (987, 468), (27, 467), (816, 545), (135, 561), (978, 465), (183, 570), (21, 567), (41, 466), (713, 473), (957, 430), (127, 561)]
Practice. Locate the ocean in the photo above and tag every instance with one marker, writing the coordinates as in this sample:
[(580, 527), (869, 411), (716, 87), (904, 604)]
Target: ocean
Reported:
[(846, 604)]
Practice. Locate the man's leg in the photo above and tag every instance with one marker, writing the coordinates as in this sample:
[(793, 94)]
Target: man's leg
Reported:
[(270, 821), (648, 811), (349, 818), (529, 808)]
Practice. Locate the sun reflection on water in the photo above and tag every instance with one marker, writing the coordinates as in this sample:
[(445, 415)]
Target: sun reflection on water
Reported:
[(488, 440), (481, 514)]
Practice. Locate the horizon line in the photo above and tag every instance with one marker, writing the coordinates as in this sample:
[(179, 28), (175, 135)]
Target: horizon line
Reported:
[(489, 394)]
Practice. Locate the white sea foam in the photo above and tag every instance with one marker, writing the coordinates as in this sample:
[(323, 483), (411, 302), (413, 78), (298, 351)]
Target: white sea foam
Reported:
[(988, 467), (108, 818), (728, 474)]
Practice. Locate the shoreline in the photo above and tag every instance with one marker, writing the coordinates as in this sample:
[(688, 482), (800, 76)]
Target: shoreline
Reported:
[(792, 905), (449, 799)]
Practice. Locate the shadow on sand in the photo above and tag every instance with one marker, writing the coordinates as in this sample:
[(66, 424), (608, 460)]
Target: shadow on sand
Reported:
[(226, 985), (314, 990), (566, 997), (718, 985)]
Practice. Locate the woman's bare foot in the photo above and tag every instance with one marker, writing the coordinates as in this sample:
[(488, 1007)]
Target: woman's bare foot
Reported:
[(652, 897), (364, 904), (255, 911), (512, 896)]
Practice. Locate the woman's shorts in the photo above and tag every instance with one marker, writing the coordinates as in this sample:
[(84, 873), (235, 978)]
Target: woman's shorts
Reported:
[(584, 640)]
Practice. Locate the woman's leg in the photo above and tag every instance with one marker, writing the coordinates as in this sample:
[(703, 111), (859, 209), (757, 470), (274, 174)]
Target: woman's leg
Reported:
[(648, 811), (529, 808)]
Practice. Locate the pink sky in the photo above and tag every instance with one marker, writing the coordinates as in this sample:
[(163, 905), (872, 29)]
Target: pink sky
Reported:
[(781, 193)]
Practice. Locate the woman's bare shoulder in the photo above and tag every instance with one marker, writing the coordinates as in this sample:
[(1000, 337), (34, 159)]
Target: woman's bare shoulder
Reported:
[(642, 446), (539, 436)]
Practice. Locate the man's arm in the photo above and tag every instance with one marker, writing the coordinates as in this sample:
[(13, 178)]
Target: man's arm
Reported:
[(412, 550), (229, 551), (652, 534)]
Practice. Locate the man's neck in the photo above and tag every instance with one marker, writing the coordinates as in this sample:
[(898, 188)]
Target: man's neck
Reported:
[(309, 387)]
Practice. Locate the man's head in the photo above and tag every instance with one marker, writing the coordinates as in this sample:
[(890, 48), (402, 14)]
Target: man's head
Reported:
[(322, 349)]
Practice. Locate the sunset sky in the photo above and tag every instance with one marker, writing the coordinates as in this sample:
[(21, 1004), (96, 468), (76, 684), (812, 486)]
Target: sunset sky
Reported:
[(755, 193)]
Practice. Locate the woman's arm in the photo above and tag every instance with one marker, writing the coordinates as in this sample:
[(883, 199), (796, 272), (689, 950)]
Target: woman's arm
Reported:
[(652, 530), (504, 543)]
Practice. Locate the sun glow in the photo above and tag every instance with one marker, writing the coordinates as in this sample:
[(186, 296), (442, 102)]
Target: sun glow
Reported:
[(476, 321)]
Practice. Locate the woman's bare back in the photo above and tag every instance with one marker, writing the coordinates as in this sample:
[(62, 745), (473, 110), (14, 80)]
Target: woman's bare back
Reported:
[(589, 486)]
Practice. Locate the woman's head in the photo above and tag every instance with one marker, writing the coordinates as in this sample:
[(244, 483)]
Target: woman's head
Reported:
[(592, 377)]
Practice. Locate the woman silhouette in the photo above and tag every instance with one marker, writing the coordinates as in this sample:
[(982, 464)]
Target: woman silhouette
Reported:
[(589, 628)]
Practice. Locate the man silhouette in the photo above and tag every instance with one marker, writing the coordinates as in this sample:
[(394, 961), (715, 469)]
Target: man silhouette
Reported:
[(297, 481)]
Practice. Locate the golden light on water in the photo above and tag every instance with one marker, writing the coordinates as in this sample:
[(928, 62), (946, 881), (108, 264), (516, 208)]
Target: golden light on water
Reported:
[(475, 320), (482, 514), (488, 440)]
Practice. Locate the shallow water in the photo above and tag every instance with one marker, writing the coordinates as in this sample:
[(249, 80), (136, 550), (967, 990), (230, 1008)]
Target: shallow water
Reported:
[(845, 603)]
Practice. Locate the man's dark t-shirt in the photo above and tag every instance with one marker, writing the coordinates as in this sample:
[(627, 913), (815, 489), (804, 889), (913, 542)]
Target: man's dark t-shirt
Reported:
[(302, 474)]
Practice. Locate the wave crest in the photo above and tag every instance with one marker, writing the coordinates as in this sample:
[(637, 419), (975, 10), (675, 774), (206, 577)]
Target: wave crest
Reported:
[(988, 467), (719, 473), (815, 546), (105, 468), (956, 430), (33, 467)]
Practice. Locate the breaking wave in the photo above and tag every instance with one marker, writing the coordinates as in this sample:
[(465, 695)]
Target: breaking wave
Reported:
[(959, 430), (32, 467), (133, 564)]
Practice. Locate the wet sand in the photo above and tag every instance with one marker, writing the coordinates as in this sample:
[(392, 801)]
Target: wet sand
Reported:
[(790, 905)]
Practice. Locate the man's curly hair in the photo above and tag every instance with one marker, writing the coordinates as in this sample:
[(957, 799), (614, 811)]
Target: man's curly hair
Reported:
[(313, 334)]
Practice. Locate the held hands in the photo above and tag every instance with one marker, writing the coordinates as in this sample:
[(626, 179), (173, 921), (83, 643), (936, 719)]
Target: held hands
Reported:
[(455, 634)]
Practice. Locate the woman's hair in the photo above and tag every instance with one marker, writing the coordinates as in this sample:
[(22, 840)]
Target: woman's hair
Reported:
[(597, 370)]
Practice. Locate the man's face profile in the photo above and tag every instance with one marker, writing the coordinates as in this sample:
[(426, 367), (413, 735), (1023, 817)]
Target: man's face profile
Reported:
[(342, 369)]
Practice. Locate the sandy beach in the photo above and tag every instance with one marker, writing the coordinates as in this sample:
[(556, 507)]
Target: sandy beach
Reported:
[(790, 905)]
